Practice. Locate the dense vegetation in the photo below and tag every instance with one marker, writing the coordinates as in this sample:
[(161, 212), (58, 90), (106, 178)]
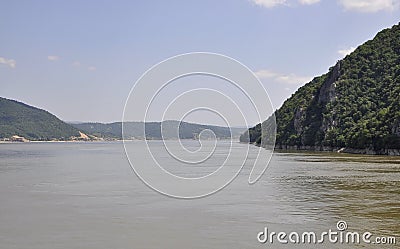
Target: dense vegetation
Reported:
[(153, 130), (17, 118), (355, 105)]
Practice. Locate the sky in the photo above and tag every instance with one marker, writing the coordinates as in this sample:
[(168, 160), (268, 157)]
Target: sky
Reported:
[(79, 59)]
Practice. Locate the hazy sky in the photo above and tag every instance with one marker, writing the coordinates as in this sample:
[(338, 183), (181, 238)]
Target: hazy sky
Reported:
[(79, 59)]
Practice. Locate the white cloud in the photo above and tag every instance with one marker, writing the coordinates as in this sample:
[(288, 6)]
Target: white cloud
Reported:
[(282, 78), (269, 3), (369, 5), (344, 52), (348, 5), (76, 63), (274, 3), (92, 68), (8, 62), (53, 58), (308, 2)]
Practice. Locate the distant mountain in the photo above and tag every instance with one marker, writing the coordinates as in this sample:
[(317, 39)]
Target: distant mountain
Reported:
[(20, 119), (355, 106), (153, 130)]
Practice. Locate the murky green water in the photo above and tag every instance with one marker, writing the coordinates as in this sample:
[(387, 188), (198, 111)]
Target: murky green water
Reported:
[(85, 195)]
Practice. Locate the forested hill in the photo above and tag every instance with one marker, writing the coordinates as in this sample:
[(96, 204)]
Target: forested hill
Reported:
[(19, 119), (136, 130), (355, 106)]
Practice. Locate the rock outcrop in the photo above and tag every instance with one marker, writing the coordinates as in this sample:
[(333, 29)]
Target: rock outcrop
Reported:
[(354, 108)]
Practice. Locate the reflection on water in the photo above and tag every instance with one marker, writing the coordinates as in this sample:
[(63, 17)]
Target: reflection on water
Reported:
[(85, 195), (351, 186)]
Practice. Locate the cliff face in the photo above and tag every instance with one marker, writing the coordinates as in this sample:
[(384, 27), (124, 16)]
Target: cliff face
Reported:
[(327, 92), (328, 95), (355, 106)]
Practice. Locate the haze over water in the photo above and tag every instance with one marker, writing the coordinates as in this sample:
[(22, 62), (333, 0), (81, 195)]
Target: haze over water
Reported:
[(85, 195)]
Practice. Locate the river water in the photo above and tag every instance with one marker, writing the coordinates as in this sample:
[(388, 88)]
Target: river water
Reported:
[(85, 195)]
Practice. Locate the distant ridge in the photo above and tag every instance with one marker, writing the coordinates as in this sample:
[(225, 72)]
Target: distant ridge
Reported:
[(19, 119), (135, 130), (22, 122)]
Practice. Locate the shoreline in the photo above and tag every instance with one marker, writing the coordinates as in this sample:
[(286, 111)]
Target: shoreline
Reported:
[(95, 141), (381, 152), (71, 141), (278, 148)]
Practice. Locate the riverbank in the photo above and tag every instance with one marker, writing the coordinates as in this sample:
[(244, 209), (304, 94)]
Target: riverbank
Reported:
[(386, 152)]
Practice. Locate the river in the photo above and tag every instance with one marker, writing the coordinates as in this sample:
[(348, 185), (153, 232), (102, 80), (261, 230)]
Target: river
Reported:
[(85, 195)]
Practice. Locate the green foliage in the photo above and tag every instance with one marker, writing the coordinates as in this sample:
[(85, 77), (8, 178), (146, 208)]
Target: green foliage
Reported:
[(32, 123), (355, 105), (252, 135)]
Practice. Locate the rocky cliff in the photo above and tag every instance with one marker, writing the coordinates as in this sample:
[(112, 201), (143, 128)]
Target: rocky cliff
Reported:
[(353, 108)]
